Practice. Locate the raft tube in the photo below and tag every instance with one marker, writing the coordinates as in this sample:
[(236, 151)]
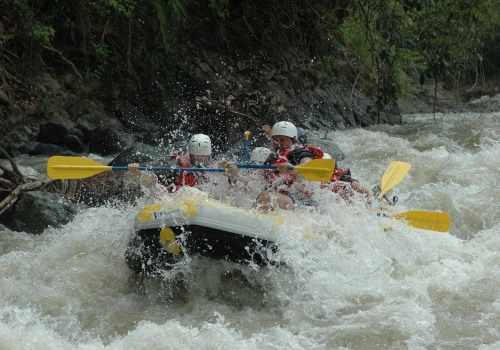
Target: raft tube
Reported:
[(165, 232)]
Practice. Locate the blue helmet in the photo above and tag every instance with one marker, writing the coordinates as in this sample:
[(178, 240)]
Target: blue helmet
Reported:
[(302, 136)]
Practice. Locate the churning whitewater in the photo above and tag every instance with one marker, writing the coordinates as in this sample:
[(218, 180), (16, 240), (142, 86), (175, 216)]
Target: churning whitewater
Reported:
[(346, 283)]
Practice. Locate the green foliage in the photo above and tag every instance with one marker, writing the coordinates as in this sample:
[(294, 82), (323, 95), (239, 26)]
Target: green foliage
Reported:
[(220, 6), (46, 107), (122, 7), (131, 42), (441, 40), (41, 33)]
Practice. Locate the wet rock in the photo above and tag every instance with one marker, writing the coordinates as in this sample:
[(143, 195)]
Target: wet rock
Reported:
[(35, 211), (11, 149), (28, 148), (108, 141), (144, 154), (48, 149), (51, 132), (74, 143), (98, 119), (133, 119), (85, 128)]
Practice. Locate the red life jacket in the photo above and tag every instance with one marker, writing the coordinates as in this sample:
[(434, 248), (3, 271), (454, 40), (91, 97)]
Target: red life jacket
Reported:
[(339, 180), (273, 175), (316, 151), (183, 178), (283, 182), (337, 175)]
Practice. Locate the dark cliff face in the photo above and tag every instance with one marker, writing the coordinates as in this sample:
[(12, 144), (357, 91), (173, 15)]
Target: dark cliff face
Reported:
[(231, 96), (222, 96), (227, 75), (155, 67)]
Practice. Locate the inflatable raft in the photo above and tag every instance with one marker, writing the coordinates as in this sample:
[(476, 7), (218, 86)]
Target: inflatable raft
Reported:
[(189, 223)]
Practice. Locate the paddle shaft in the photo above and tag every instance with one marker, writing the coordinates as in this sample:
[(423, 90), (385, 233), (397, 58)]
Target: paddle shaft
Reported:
[(221, 170), (159, 168), (63, 167)]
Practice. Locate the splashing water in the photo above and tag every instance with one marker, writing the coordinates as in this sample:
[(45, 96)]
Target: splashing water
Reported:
[(345, 283)]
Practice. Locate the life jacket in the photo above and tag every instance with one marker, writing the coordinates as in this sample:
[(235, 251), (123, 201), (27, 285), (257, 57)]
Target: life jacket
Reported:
[(339, 182), (283, 182), (316, 151), (273, 175), (342, 174), (183, 178)]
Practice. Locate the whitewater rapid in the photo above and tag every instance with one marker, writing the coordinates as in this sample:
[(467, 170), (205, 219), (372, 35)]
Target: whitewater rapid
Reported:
[(347, 284)]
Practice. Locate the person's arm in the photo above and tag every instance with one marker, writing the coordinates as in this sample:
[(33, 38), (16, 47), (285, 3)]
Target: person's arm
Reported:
[(232, 172), (235, 177), (268, 131), (356, 186), (146, 178)]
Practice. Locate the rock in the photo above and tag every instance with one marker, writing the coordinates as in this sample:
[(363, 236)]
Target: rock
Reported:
[(99, 119), (74, 143), (77, 132), (132, 119), (35, 211), (86, 129), (145, 154), (28, 148), (48, 149), (12, 150), (108, 141), (51, 132), (17, 114), (4, 99)]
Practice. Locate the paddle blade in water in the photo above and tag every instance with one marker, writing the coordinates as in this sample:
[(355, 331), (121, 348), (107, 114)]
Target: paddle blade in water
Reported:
[(427, 220)]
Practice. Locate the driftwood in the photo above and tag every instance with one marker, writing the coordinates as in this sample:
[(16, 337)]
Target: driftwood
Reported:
[(92, 191)]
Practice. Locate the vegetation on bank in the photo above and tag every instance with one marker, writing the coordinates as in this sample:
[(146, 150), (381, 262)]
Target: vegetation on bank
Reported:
[(382, 46)]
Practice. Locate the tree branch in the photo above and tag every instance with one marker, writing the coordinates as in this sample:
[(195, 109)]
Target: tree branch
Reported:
[(64, 59)]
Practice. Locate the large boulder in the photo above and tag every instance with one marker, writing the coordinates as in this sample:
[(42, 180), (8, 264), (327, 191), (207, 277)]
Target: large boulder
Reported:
[(108, 141), (35, 211)]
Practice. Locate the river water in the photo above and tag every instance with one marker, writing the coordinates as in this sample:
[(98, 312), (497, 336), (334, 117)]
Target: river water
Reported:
[(347, 284)]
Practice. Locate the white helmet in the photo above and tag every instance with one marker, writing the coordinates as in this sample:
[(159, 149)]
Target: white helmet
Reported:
[(200, 145), (285, 129), (326, 156), (259, 154)]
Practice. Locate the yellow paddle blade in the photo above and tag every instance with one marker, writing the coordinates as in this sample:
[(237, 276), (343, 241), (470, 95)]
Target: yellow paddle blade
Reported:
[(427, 220), (320, 170), (393, 175), (62, 167)]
